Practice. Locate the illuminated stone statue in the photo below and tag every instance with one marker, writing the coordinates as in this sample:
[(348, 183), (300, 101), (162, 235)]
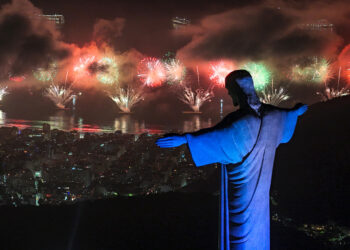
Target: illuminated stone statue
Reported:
[(244, 142)]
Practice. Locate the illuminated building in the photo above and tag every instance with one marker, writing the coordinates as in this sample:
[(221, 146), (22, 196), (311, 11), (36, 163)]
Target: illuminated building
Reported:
[(319, 25), (57, 19), (179, 22)]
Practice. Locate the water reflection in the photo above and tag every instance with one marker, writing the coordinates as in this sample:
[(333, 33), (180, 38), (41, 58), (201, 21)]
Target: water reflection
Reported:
[(196, 123), (126, 123)]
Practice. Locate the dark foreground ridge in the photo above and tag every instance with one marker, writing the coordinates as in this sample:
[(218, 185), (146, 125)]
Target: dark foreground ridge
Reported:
[(171, 221), (309, 203)]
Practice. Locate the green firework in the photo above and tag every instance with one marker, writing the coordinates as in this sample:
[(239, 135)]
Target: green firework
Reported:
[(260, 73)]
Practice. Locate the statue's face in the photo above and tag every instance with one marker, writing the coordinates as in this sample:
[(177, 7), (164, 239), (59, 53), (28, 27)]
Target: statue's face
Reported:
[(247, 85)]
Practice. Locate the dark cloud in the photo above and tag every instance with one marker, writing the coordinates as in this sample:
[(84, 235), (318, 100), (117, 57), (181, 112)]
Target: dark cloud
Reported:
[(27, 40), (108, 30), (270, 31), (96, 67)]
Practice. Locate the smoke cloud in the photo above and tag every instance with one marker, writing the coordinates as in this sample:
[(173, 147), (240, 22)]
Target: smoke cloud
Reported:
[(107, 31), (271, 31), (27, 40)]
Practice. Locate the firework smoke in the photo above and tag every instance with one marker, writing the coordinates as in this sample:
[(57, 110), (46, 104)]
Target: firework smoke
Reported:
[(151, 72), (126, 98), (242, 33), (59, 95), (195, 99), (27, 40)]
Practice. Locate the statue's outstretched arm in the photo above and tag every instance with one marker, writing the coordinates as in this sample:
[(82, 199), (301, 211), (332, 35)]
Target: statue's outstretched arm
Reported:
[(171, 141)]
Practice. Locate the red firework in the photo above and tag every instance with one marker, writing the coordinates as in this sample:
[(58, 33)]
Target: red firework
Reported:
[(219, 71), (17, 78), (81, 68), (151, 72), (344, 59)]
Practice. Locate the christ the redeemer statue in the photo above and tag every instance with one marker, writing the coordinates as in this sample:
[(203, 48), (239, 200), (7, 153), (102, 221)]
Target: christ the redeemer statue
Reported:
[(244, 142)]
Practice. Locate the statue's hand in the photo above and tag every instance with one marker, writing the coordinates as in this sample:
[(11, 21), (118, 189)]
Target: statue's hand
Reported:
[(300, 108), (171, 141)]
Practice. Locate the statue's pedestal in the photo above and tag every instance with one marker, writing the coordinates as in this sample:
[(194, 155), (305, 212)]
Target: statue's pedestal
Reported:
[(192, 112)]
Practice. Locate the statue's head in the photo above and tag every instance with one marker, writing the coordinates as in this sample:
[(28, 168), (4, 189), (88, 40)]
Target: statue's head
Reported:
[(240, 87)]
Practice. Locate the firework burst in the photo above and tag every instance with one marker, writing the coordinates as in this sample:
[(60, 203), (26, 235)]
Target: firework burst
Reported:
[(46, 75), (151, 72), (195, 99), (126, 98), (274, 96), (260, 74), (59, 95), (175, 71), (110, 75), (322, 71), (344, 59), (81, 68), (318, 72), (3, 92), (219, 71)]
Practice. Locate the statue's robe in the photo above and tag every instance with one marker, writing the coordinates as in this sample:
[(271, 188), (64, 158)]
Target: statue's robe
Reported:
[(244, 142)]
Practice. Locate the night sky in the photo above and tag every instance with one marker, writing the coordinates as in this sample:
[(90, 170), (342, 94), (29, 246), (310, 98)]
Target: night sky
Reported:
[(256, 30)]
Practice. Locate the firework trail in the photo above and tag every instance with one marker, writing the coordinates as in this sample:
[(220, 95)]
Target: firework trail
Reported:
[(274, 96), (175, 71), (59, 95), (219, 71), (195, 99), (110, 74), (151, 72), (46, 75), (127, 98), (260, 74), (3, 92)]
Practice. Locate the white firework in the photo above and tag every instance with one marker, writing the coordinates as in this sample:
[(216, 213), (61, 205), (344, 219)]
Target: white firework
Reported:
[(127, 98), (330, 93), (59, 95), (195, 99), (175, 70), (274, 96), (3, 92)]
